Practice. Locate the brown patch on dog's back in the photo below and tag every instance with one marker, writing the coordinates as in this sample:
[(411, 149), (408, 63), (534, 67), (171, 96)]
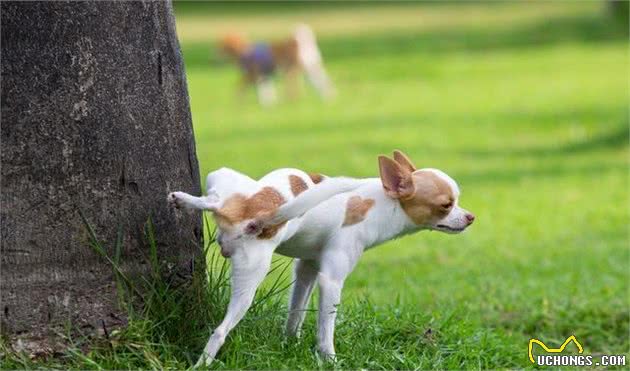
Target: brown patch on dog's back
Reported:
[(238, 208), (298, 185), (316, 178), (356, 210), (431, 192), (285, 53)]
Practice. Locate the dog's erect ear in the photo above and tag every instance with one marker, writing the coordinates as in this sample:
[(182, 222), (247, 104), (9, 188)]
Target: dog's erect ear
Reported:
[(396, 179), (404, 161)]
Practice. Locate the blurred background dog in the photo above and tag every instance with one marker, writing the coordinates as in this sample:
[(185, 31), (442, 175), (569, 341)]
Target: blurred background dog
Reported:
[(259, 62)]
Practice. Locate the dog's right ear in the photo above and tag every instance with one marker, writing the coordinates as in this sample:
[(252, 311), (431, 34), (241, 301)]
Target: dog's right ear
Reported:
[(404, 161), (397, 180)]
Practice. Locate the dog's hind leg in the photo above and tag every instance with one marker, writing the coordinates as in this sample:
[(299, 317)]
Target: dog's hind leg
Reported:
[(250, 264), (266, 92), (185, 200), (304, 280)]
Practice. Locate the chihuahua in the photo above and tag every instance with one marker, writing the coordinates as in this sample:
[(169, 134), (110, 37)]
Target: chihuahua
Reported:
[(325, 223), (260, 61)]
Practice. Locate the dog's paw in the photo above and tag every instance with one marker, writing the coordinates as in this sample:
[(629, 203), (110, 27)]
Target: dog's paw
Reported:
[(327, 356), (204, 361), (175, 200)]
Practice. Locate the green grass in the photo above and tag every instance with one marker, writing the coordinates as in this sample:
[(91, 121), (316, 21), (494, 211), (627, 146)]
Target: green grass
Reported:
[(525, 105), (528, 114)]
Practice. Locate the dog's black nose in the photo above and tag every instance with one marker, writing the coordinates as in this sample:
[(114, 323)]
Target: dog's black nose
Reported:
[(470, 218)]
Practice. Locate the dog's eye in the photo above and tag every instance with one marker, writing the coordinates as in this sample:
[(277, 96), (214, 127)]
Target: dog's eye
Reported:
[(447, 205)]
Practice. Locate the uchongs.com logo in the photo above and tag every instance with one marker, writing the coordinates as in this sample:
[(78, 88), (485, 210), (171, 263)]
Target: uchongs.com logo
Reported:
[(553, 356)]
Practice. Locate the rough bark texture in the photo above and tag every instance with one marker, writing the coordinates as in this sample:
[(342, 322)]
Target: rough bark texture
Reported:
[(95, 117)]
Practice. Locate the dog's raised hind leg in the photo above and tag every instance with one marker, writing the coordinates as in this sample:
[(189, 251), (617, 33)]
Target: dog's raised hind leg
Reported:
[(185, 200), (250, 264)]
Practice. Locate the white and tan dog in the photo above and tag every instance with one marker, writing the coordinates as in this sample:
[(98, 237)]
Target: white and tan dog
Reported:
[(324, 223), (293, 56)]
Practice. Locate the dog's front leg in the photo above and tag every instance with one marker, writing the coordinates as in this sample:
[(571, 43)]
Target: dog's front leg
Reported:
[(335, 265), (250, 264), (304, 275), (266, 92)]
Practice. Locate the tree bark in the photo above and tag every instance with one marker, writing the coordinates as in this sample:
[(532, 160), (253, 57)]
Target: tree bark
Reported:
[(95, 119)]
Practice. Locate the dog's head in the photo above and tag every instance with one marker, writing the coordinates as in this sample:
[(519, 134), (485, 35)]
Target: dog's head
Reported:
[(428, 196), (233, 45)]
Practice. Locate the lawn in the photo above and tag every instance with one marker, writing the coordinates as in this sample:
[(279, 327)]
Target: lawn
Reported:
[(525, 105)]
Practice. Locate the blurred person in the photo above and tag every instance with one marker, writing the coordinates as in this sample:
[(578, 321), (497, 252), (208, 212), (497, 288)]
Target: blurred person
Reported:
[(296, 55)]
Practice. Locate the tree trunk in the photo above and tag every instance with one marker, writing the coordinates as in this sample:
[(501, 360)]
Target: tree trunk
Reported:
[(95, 119)]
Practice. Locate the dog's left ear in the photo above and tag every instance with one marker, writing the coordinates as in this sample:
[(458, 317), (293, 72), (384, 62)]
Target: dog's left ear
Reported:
[(397, 181), (404, 161)]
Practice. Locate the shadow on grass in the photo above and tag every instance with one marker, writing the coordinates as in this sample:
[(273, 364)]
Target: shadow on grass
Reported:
[(427, 121), (518, 174), (557, 30), (618, 137), (614, 139), (589, 28)]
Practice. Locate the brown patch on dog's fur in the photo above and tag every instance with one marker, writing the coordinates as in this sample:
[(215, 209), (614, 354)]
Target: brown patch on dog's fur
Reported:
[(431, 192), (356, 210), (234, 44), (316, 178), (285, 53), (270, 231), (238, 208), (298, 185)]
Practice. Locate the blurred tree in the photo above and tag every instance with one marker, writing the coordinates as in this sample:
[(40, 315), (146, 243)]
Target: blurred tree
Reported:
[(95, 119), (620, 9)]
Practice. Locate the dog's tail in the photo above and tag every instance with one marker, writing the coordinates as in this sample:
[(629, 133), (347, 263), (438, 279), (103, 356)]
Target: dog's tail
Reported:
[(309, 53), (306, 201), (314, 196), (311, 60)]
